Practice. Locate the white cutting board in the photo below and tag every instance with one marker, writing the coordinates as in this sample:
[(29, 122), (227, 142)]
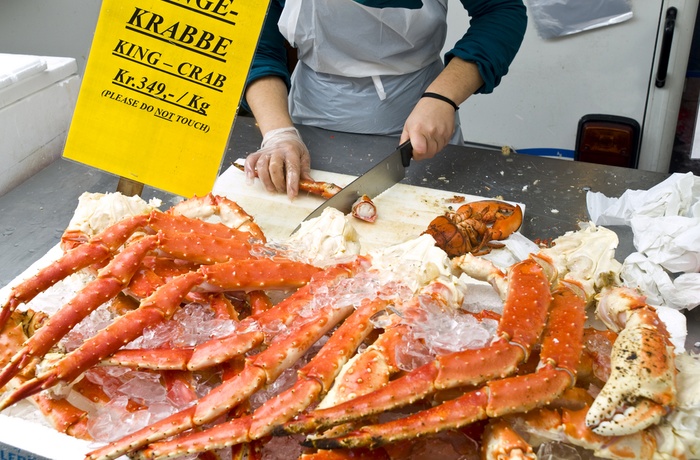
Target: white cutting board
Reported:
[(403, 211)]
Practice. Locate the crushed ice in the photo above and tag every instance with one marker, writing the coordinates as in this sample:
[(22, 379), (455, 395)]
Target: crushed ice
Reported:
[(191, 325)]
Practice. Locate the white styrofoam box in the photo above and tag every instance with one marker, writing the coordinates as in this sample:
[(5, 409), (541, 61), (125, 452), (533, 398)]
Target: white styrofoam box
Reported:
[(37, 99), (17, 67)]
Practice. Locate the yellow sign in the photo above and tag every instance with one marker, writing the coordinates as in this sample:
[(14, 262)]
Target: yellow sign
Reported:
[(162, 87)]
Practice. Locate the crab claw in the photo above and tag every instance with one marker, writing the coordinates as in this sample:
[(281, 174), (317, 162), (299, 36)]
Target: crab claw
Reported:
[(641, 388)]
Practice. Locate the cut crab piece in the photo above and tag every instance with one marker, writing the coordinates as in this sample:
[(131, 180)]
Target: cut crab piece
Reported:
[(501, 441), (475, 227), (364, 209), (259, 369)]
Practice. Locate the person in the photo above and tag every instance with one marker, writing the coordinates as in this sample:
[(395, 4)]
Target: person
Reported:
[(374, 67)]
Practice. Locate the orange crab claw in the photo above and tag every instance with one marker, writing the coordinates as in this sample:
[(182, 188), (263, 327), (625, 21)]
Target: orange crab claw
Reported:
[(641, 388)]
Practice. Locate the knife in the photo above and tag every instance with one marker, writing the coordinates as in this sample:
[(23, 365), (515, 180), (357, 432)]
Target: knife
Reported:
[(380, 177)]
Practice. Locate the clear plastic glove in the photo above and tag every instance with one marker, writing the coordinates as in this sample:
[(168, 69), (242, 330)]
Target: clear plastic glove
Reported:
[(281, 162), (430, 127)]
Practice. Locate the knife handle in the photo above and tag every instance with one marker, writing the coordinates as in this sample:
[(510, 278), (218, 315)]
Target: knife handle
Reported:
[(406, 153)]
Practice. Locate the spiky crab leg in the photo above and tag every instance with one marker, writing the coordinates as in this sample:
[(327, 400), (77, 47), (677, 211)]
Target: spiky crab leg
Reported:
[(162, 304), (110, 281), (185, 237), (560, 352), (97, 250), (523, 320), (260, 369), (314, 379)]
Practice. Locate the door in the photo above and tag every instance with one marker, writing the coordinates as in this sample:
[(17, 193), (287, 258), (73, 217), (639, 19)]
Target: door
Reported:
[(610, 70)]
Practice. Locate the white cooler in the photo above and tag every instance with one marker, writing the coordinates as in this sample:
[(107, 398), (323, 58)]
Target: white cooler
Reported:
[(37, 98)]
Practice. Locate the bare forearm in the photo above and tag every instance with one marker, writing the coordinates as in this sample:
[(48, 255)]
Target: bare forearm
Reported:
[(267, 98), (458, 81)]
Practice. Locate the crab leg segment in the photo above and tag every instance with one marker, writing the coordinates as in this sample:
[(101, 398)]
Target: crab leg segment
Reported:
[(97, 250), (156, 308), (561, 347), (314, 379), (260, 369), (110, 281), (524, 315), (254, 274)]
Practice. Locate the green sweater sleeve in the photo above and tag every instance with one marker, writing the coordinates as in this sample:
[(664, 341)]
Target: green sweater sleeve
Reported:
[(495, 32), (270, 58)]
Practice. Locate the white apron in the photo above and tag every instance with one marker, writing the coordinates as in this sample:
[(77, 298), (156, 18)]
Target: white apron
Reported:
[(361, 69)]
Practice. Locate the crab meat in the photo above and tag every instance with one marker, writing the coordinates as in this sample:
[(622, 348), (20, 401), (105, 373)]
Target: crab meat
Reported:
[(364, 209)]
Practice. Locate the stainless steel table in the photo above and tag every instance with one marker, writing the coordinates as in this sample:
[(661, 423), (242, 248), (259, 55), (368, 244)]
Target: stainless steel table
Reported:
[(34, 214)]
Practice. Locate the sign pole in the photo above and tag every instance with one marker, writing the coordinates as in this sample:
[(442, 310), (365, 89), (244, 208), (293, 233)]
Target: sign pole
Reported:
[(129, 187)]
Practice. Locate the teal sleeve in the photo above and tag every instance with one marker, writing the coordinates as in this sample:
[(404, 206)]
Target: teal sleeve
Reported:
[(270, 58), (495, 32)]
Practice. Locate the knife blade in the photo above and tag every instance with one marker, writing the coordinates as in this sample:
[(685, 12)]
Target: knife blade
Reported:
[(373, 182)]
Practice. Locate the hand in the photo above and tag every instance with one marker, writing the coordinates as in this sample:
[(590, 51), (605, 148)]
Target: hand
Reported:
[(281, 162), (430, 127)]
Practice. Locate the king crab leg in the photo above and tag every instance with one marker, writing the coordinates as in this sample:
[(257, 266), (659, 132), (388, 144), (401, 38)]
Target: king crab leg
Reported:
[(314, 379), (524, 314), (154, 309), (560, 352), (260, 369), (183, 235), (111, 280), (97, 250)]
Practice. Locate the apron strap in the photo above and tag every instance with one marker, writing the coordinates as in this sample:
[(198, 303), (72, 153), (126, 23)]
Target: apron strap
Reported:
[(379, 87)]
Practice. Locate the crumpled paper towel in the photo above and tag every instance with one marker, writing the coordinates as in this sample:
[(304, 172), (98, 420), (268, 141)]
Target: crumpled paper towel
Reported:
[(665, 222)]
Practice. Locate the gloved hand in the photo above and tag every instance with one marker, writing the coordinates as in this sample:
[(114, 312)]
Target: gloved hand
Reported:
[(281, 162), (430, 127)]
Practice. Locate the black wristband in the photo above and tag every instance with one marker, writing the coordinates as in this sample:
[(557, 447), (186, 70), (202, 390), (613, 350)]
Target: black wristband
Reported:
[(442, 98)]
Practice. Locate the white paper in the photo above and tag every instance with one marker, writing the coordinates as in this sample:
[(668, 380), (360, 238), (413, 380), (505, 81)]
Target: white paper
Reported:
[(665, 222)]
